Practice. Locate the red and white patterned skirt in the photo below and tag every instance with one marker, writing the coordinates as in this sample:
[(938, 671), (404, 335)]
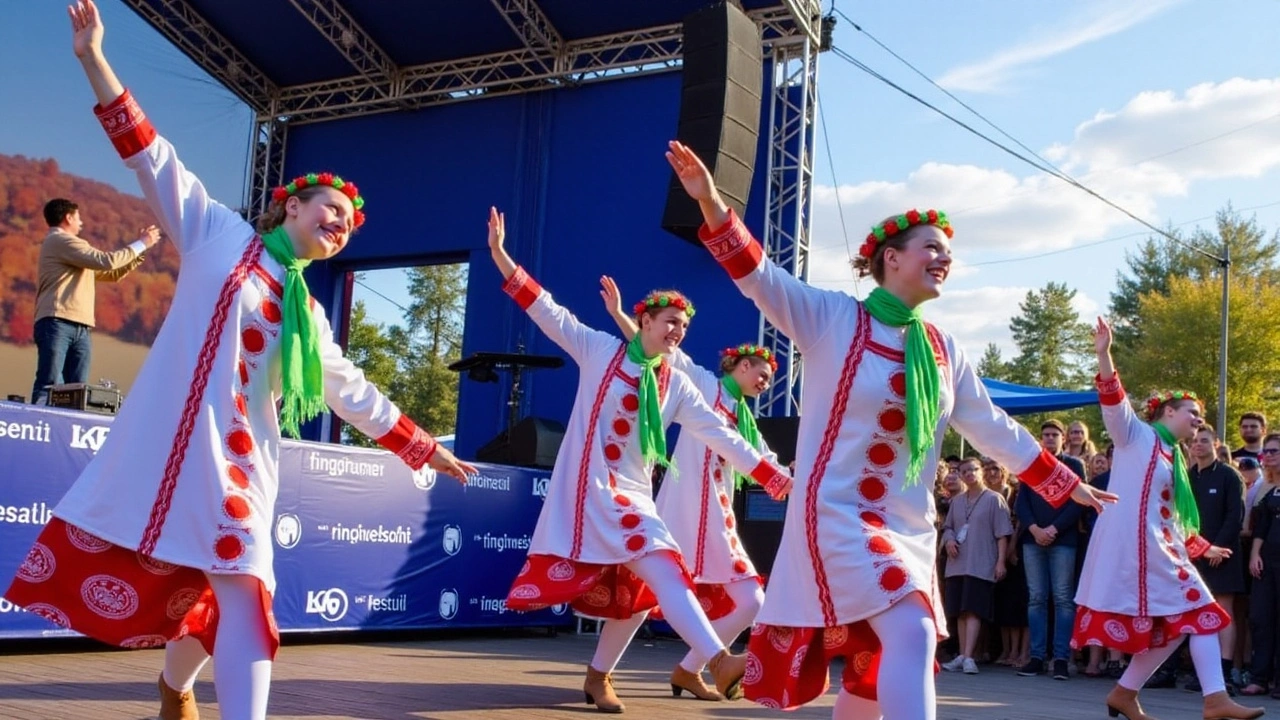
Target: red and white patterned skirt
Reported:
[(611, 592), (788, 667), (1133, 635), (117, 595)]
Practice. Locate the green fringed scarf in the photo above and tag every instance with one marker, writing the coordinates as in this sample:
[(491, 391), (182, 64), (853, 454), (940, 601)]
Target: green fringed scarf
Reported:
[(1184, 500), (653, 436), (302, 376), (746, 422), (922, 376)]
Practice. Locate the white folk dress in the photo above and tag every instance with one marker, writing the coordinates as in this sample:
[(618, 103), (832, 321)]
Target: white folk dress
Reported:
[(186, 482), (599, 512), (696, 500), (856, 539), (1145, 591)]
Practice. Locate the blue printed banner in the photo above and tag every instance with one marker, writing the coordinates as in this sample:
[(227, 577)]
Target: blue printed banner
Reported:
[(362, 542)]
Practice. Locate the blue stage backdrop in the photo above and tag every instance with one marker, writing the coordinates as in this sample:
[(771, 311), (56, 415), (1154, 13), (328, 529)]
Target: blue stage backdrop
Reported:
[(361, 541)]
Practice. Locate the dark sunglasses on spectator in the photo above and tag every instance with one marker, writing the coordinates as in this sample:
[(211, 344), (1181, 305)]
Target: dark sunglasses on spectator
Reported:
[(1270, 451)]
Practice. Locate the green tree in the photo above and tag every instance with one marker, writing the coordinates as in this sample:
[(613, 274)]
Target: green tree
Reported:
[(1181, 329), (992, 364), (1150, 267), (1052, 341)]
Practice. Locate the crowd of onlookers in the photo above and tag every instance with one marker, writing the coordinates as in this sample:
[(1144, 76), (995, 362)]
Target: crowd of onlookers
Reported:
[(1011, 561)]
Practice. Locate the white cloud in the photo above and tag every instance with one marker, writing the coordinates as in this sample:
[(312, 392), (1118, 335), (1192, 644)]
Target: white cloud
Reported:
[(1099, 21)]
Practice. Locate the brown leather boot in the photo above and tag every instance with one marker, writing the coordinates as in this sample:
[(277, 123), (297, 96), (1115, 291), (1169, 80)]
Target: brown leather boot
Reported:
[(598, 690), (728, 670), (176, 705), (682, 680), (1123, 701), (1220, 706)]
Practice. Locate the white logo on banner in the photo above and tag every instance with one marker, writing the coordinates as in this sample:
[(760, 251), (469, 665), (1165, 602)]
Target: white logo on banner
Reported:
[(448, 604), (540, 486), (452, 539), (288, 530), (424, 478), (83, 438), (560, 608), (329, 604)]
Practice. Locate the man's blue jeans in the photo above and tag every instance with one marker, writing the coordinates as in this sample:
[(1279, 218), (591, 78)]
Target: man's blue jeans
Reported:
[(62, 352), (1048, 569)]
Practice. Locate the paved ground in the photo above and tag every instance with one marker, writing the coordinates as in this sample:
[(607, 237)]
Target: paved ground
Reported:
[(514, 676)]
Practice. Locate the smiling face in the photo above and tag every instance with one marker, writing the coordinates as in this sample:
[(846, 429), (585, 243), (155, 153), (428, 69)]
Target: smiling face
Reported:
[(753, 375), (319, 221), (916, 271), (1183, 418), (663, 330)]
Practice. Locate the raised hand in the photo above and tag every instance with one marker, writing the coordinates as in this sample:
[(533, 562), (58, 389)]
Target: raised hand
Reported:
[(149, 236), (1102, 337), (445, 462), (611, 295), (1090, 496), (86, 28), (693, 175), (497, 230)]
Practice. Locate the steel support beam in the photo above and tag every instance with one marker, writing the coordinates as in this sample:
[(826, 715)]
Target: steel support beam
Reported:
[(356, 45), (266, 167), (534, 29)]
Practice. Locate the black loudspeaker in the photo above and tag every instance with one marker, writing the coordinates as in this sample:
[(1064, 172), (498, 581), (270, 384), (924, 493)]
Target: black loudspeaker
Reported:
[(532, 442), (780, 434), (719, 110)]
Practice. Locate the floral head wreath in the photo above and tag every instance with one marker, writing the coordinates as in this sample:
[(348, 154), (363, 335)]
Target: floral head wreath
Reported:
[(749, 350), (662, 300), (893, 226), (1156, 400), (284, 192)]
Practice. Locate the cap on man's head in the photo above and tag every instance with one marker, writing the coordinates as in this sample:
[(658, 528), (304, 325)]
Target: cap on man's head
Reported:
[(1247, 463), (1054, 423)]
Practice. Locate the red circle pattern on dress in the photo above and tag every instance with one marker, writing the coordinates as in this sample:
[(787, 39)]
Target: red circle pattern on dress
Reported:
[(240, 442), (238, 476), (228, 547), (893, 578), (236, 507), (892, 420), (253, 340), (898, 384), (881, 454), (873, 489), (631, 402), (621, 427)]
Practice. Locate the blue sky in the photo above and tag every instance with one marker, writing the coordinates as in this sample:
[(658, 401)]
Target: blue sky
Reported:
[(1171, 108)]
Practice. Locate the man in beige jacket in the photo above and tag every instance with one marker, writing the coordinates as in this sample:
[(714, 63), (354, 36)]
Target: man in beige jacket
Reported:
[(68, 268)]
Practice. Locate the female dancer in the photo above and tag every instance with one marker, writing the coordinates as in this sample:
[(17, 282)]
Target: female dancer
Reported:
[(856, 563), (696, 499), (1145, 594), (599, 542), (165, 539)]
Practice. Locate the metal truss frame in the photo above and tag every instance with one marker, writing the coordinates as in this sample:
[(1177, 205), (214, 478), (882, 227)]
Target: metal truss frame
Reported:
[(788, 195), (266, 162)]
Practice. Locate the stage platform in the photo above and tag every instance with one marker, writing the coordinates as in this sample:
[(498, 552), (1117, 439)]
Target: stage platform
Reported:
[(514, 677)]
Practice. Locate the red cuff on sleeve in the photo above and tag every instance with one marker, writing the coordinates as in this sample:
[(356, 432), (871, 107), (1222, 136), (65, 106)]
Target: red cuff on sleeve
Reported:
[(1110, 392), (770, 478), (130, 131), (411, 443), (1052, 480), (733, 247), (1197, 546), (522, 288)]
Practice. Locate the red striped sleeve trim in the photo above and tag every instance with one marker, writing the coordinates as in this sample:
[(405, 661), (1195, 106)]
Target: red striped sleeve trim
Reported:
[(1110, 392), (1052, 480), (522, 288), (733, 247), (129, 129), (1197, 546), (770, 478), (410, 443)]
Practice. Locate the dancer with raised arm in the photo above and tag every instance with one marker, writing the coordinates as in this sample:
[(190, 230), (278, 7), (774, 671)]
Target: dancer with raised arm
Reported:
[(696, 499), (1144, 594), (855, 575), (165, 539), (599, 542)]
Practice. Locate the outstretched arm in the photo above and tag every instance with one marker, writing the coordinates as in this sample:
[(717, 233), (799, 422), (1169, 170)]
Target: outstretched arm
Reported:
[(1117, 415), (186, 212), (612, 297), (802, 312), (557, 322)]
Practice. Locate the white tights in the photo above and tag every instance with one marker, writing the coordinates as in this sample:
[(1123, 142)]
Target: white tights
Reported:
[(679, 606), (242, 656), (748, 598), (904, 685), (1205, 656)]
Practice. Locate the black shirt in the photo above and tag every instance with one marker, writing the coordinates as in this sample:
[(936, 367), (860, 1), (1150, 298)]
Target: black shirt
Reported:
[(1219, 492), (1245, 452), (1266, 522)]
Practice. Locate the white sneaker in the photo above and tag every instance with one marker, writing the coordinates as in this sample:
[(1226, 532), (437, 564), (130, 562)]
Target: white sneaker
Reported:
[(955, 665), (970, 667)]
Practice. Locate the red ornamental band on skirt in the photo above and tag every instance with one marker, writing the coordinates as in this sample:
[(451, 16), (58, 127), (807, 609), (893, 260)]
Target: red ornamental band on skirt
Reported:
[(167, 543)]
